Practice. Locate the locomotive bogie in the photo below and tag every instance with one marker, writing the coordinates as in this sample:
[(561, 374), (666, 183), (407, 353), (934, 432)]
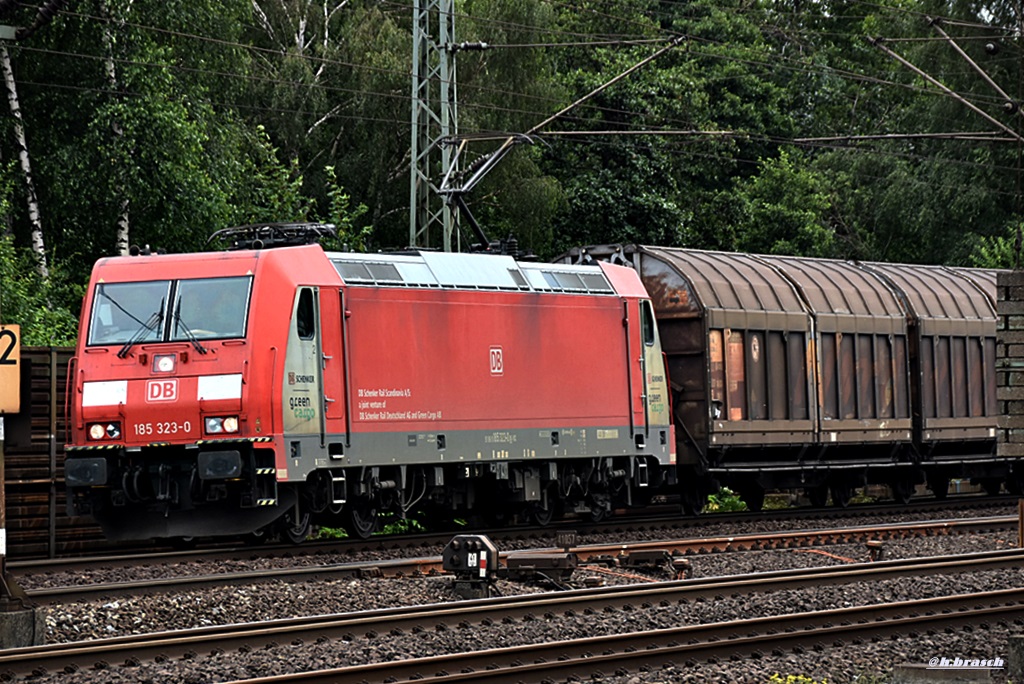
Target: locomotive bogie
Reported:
[(226, 490)]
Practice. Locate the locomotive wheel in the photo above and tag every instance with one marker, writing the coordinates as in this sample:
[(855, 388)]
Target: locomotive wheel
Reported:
[(818, 496), (600, 507), (597, 513), (360, 520), (296, 531), (541, 516)]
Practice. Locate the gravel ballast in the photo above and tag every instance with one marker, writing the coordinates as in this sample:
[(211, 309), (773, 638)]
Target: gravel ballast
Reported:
[(867, 662)]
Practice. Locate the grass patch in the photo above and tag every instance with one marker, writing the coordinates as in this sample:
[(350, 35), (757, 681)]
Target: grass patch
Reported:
[(724, 501), (776, 502)]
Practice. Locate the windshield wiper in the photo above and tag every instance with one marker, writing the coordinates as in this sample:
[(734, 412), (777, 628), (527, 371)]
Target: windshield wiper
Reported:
[(149, 326), (189, 335)]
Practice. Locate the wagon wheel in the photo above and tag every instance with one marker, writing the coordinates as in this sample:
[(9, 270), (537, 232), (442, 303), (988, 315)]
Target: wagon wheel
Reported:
[(691, 500), (991, 485), (841, 495), (939, 486), (256, 537), (183, 543), (753, 496), (902, 489), (360, 519), (297, 529), (818, 495)]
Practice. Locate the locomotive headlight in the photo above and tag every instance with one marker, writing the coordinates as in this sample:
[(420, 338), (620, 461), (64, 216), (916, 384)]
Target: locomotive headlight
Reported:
[(100, 431), (218, 424), (163, 363)]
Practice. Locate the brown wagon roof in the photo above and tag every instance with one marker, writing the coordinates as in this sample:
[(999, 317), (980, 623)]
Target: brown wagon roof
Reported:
[(946, 301), (736, 290), (842, 296)]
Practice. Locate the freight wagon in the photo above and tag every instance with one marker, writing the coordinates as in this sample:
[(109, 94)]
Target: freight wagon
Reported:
[(823, 375)]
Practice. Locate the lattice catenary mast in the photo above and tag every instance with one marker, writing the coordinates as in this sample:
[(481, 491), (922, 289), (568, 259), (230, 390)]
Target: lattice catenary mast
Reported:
[(434, 118)]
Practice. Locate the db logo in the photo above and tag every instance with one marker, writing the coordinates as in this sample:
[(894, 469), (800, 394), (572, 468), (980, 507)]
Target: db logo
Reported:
[(497, 364), (161, 390)]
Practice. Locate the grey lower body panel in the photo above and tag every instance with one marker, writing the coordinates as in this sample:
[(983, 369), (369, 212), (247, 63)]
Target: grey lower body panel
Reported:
[(381, 449)]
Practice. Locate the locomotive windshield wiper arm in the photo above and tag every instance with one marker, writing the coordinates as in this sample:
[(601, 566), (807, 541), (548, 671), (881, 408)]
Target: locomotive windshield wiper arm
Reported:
[(149, 326), (183, 327)]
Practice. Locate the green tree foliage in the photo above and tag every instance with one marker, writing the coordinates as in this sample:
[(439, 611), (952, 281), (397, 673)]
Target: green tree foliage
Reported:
[(345, 218), (712, 98), (784, 210), (27, 300), (773, 126), (999, 251)]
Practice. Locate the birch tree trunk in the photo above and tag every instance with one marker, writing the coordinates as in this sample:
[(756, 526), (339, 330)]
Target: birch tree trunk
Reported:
[(123, 217), (38, 246), (298, 27)]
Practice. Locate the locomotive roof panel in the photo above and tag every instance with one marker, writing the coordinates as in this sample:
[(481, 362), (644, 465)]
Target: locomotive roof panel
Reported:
[(468, 271), (842, 296), (944, 300), (147, 267), (736, 290)]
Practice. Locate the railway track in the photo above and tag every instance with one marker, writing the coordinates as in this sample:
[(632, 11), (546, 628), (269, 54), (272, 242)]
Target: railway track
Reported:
[(591, 655), (596, 658), (663, 523), (422, 566)]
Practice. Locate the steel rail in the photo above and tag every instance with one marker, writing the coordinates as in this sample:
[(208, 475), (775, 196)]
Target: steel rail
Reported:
[(647, 522), (590, 553), (189, 643), (596, 658), (806, 538)]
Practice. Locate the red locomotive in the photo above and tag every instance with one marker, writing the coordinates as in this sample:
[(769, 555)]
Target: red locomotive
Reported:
[(255, 390)]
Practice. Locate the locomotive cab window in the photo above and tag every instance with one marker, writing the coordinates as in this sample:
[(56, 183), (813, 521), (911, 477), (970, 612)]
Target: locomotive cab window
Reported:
[(122, 311), (169, 310), (209, 308), (647, 322), (305, 315)]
